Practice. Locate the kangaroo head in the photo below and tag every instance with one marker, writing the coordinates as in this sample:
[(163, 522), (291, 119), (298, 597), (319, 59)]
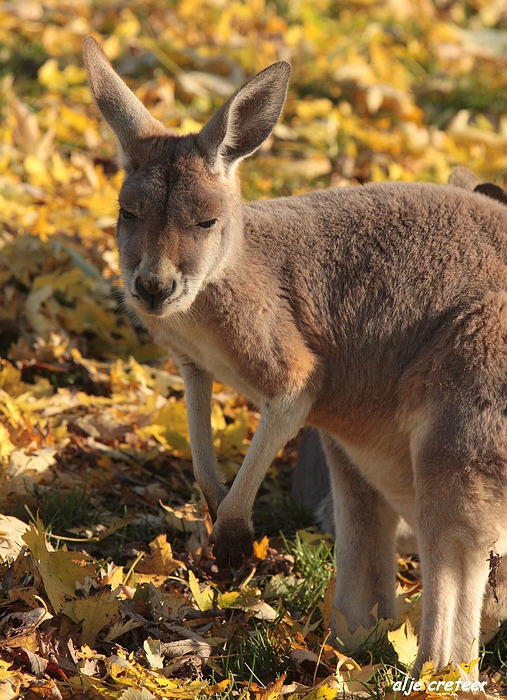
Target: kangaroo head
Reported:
[(180, 205)]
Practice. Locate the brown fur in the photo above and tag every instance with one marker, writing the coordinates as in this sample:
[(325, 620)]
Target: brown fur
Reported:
[(377, 314)]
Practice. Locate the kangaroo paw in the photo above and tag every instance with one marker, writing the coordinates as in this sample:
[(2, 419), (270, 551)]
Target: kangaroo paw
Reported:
[(233, 541)]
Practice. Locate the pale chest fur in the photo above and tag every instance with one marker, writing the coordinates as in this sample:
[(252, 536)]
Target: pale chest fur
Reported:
[(201, 347)]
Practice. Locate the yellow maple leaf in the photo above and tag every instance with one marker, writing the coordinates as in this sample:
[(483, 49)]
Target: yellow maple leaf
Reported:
[(162, 560), (10, 378), (405, 644), (156, 431), (353, 640), (37, 171), (228, 599), (59, 80), (96, 612), (218, 687), (130, 673), (112, 575), (173, 416), (59, 570), (326, 690), (204, 598), (261, 548), (218, 423), (4, 670)]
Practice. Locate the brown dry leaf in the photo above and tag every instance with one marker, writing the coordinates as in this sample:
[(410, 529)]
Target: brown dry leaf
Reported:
[(20, 623), (26, 639), (326, 604), (25, 594), (194, 646), (44, 689), (273, 690), (119, 627), (189, 518), (261, 610), (351, 676), (167, 606)]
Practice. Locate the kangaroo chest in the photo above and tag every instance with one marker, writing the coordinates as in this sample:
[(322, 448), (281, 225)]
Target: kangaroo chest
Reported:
[(205, 352), (251, 345)]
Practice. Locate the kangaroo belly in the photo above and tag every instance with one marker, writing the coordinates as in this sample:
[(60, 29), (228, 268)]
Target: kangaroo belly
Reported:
[(390, 472), (377, 447)]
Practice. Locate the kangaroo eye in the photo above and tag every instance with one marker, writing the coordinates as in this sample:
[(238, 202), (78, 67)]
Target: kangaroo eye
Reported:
[(127, 214), (207, 224)]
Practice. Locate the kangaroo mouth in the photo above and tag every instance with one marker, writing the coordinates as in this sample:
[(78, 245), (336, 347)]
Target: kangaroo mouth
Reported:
[(163, 307)]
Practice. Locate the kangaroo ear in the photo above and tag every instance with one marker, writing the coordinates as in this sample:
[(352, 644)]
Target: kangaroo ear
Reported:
[(493, 191), (464, 178), (124, 113), (246, 120)]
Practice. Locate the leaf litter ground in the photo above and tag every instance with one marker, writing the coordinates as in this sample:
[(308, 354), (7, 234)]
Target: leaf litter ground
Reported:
[(108, 585)]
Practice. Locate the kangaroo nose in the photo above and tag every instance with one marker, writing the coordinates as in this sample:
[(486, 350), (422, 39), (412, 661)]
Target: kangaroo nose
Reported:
[(150, 291)]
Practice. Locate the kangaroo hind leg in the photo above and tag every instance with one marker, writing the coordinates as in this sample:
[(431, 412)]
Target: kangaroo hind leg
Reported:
[(459, 455), (365, 526)]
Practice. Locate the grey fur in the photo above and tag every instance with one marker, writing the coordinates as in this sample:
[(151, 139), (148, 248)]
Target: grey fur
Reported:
[(377, 314)]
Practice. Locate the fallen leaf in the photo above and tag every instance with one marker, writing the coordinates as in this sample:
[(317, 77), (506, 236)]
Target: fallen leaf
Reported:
[(261, 548), (405, 643), (161, 561), (4, 670), (273, 691), (135, 694), (152, 649), (188, 518), (204, 597), (11, 533), (59, 570), (119, 627), (353, 640), (95, 612), (183, 647)]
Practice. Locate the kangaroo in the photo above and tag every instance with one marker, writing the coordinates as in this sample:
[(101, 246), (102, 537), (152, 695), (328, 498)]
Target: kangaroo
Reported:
[(377, 314)]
